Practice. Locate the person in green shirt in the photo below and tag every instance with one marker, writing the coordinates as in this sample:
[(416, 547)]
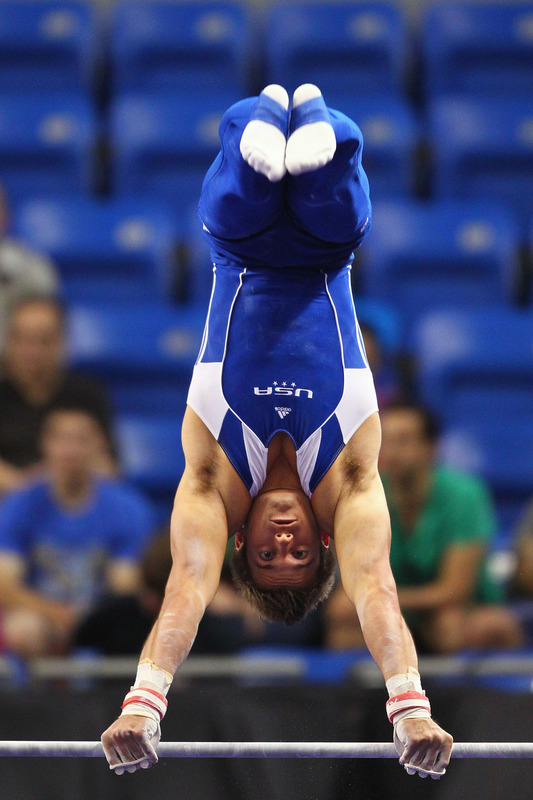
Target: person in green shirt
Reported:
[(442, 524)]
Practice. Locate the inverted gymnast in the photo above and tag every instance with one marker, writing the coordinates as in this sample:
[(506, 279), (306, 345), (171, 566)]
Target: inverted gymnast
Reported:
[(281, 433)]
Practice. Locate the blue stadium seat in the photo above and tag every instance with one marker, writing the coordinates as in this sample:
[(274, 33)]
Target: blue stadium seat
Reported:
[(152, 457), (144, 352), (478, 49), (424, 256), (361, 47), (477, 365), (162, 46), (47, 46), (121, 249), (391, 133), (162, 145), (484, 149), (46, 144), (500, 453)]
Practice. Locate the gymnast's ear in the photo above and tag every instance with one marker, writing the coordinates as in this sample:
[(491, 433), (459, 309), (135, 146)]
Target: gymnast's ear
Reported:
[(325, 539), (239, 539)]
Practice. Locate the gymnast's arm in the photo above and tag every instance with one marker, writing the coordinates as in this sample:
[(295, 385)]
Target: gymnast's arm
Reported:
[(361, 528), (210, 501)]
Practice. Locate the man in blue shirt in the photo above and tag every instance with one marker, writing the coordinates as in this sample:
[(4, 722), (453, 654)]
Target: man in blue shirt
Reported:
[(281, 434), (66, 538)]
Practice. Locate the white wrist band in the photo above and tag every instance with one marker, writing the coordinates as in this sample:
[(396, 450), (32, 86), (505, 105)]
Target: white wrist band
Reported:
[(149, 674), (408, 681), (407, 699), (147, 696)]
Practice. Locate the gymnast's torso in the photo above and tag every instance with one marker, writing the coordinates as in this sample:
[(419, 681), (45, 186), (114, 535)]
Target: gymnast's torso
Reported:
[(281, 352)]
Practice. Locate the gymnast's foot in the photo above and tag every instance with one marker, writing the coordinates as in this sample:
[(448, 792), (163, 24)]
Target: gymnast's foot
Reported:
[(265, 137), (312, 141)]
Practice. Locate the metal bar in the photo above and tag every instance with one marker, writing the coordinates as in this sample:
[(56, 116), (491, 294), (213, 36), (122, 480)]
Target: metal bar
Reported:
[(55, 749)]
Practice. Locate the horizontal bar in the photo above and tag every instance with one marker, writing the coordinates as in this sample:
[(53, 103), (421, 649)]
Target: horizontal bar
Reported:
[(266, 749)]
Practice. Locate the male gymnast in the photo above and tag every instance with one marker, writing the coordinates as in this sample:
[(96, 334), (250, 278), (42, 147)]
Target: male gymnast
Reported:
[(281, 433)]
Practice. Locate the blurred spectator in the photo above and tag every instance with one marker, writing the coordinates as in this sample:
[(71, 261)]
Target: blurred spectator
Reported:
[(386, 380), (523, 538), (22, 271), (66, 537), (34, 380), (120, 625), (442, 523)]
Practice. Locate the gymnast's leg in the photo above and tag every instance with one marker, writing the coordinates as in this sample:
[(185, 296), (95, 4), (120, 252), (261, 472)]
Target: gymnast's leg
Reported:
[(243, 191), (332, 202)]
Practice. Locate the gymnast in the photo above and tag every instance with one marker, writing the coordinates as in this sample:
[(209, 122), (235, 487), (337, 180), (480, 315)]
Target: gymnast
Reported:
[(281, 433)]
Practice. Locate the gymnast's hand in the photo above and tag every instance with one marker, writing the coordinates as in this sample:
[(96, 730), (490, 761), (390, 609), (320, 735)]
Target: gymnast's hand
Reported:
[(423, 747), (130, 743)]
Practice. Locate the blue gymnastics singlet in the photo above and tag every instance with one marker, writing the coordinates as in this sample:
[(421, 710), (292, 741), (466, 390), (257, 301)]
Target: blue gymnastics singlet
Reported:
[(282, 351)]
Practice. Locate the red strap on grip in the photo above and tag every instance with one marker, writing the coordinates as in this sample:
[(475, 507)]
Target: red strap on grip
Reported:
[(147, 697), (405, 702)]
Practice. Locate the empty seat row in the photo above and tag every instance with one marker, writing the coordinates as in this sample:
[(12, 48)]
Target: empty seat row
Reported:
[(158, 46), (163, 145), (360, 45), (105, 249), (357, 47), (477, 364), (424, 256), (47, 144), (484, 149), (162, 45), (64, 44), (52, 45), (478, 49), (145, 352), (418, 257)]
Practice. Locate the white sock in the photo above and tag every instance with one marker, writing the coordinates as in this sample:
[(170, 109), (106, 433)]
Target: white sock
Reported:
[(263, 143), (312, 144)]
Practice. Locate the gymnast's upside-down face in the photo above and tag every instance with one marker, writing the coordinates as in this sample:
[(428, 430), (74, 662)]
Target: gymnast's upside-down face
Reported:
[(282, 540)]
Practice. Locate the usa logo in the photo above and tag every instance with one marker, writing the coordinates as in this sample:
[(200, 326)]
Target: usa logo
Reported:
[(283, 411), (284, 389)]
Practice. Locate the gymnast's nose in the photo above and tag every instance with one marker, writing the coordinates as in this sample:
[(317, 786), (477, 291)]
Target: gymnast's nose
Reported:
[(284, 538)]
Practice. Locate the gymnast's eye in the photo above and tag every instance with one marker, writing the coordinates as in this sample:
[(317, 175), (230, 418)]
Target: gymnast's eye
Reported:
[(300, 554), (267, 555)]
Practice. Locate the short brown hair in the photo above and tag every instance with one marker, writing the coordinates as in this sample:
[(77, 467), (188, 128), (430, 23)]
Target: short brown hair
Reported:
[(284, 605), (429, 422)]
